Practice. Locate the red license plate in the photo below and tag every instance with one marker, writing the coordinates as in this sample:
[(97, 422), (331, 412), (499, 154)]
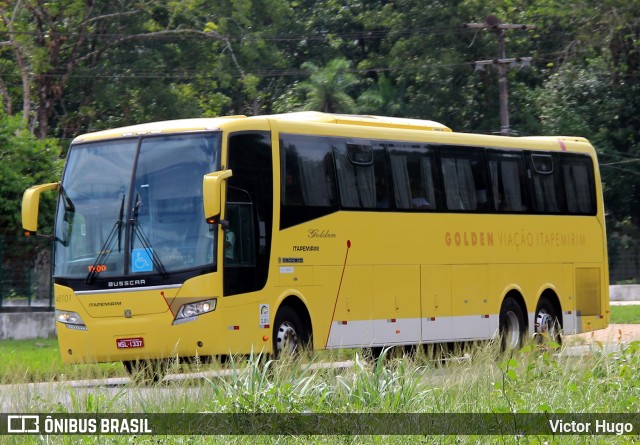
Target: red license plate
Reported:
[(128, 343)]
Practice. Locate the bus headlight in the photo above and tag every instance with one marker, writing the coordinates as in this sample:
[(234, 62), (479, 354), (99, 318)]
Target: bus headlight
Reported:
[(191, 311), (71, 319)]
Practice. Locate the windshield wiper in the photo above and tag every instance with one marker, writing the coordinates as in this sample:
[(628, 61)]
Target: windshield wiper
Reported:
[(136, 231), (105, 251)]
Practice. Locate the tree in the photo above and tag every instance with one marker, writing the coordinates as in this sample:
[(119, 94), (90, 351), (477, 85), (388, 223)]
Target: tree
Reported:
[(384, 99), (593, 91), (327, 88), (24, 161), (67, 53)]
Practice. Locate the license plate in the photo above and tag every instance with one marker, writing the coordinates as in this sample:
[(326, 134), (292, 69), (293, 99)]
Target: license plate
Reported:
[(128, 343)]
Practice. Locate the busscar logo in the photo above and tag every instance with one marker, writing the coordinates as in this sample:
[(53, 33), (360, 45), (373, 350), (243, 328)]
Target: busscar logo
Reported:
[(127, 283)]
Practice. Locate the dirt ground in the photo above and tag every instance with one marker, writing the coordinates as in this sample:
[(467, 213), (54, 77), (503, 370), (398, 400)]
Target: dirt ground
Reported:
[(615, 333)]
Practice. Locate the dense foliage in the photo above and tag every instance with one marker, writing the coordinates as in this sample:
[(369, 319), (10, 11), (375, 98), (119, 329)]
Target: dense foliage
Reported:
[(73, 66)]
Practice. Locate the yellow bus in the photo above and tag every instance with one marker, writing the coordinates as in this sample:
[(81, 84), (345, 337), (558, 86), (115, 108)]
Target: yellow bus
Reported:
[(210, 237)]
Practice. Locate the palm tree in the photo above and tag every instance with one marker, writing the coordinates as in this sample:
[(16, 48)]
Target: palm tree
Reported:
[(384, 98), (327, 87)]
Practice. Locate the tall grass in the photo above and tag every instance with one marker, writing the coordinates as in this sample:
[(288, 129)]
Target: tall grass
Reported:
[(39, 360), (533, 380)]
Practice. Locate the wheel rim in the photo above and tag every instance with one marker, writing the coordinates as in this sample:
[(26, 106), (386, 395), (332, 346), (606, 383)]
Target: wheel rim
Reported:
[(287, 339), (511, 334), (545, 324)]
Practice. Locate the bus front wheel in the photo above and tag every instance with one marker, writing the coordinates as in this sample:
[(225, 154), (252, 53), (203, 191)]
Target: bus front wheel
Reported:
[(289, 333), (512, 326)]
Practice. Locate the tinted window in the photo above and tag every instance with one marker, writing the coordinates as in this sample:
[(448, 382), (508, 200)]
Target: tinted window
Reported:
[(356, 175), (307, 175), (508, 181), (464, 178), (546, 183), (307, 171), (577, 174), (413, 169)]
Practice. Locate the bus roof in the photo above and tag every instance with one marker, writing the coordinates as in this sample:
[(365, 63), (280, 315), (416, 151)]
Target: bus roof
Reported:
[(362, 120), (204, 124), (314, 117)]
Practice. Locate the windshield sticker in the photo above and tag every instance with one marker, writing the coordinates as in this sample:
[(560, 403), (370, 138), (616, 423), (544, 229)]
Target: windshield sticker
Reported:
[(141, 260)]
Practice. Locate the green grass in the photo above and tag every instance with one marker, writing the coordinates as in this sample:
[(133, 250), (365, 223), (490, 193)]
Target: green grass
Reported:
[(625, 314), (534, 380), (39, 360)]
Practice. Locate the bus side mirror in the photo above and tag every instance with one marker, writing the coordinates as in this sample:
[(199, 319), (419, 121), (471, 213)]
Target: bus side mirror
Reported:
[(31, 203), (212, 194)]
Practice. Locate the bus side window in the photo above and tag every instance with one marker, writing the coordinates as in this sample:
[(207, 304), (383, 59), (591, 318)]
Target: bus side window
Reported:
[(355, 172), (413, 169), (307, 171), (508, 183), (464, 175), (308, 180), (546, 184), (577, 172)]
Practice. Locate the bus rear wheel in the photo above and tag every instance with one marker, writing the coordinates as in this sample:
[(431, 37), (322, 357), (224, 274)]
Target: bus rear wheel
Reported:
[(547, 325), (512, 325), (290, 335)]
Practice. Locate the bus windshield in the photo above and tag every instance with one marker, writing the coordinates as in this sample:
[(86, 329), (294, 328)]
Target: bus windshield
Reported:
[(133, 207)]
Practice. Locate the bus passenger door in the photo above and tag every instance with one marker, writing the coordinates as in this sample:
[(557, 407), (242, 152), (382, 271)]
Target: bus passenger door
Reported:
[(435, 295)]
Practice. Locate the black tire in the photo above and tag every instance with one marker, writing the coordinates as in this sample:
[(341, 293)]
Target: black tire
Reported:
[(146, 371), (290, 335), (512, 325), (547, 323)]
